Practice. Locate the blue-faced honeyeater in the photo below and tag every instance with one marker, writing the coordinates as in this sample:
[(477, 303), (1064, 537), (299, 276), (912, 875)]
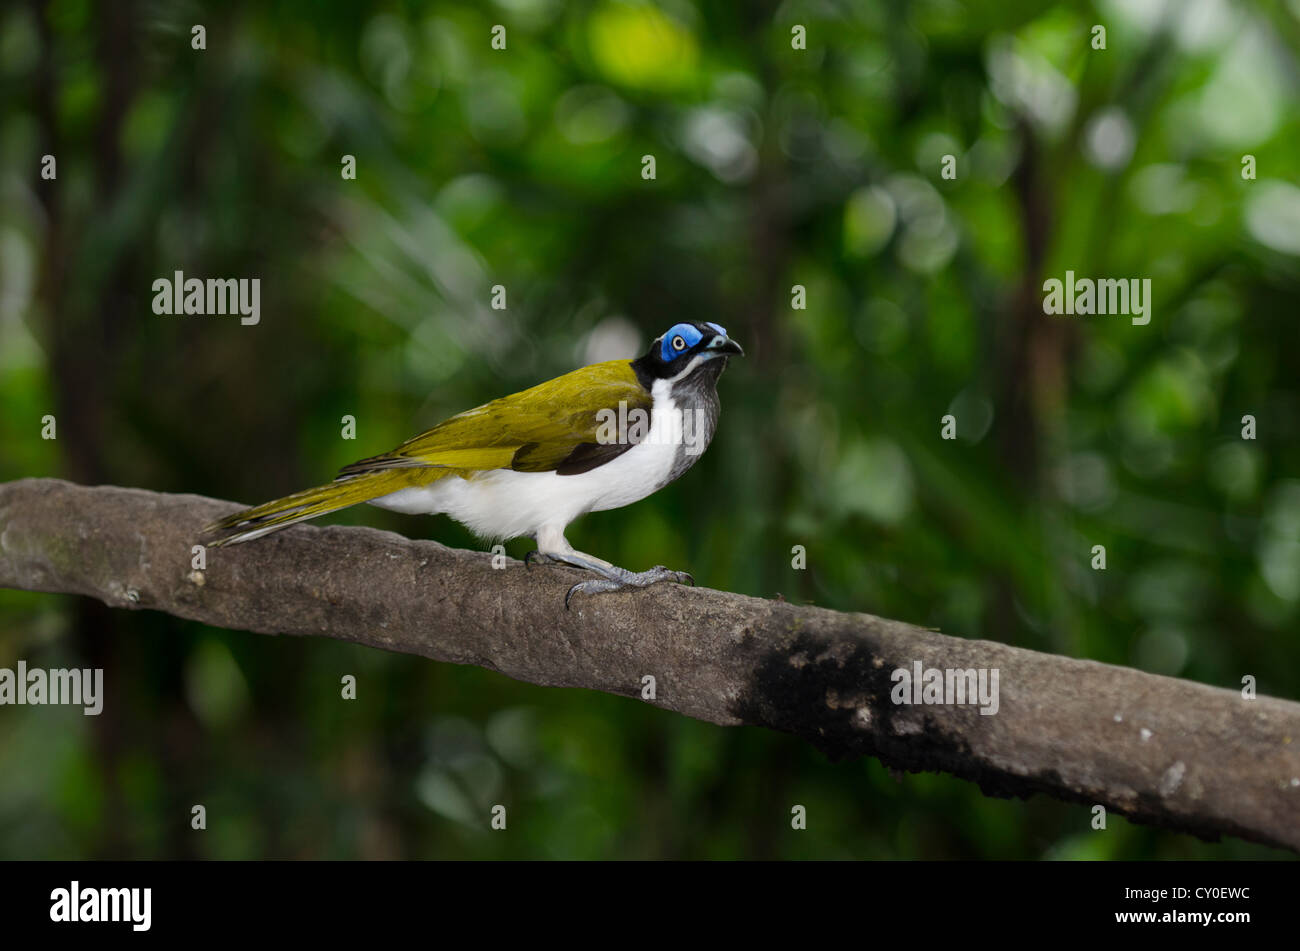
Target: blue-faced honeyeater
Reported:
[(528, 464)]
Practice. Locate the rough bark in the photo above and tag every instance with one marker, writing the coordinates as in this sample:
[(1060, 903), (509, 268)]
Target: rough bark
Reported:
[(1174, 753)]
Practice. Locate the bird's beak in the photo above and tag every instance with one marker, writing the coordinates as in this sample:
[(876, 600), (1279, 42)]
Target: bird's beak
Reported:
[(724, 344)]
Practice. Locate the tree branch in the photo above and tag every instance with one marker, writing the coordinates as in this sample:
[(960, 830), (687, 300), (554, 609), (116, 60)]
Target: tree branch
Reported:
[(1169, 752)]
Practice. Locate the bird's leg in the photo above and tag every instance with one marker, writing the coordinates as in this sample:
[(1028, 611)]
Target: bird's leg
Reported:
[(612, 577), (536, 557)]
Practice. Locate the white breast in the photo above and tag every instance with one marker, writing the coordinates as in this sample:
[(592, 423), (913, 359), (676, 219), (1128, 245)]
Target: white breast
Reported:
[(503, 503)]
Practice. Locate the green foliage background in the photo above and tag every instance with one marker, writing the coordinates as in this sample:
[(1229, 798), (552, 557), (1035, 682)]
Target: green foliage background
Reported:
[(775, 167)]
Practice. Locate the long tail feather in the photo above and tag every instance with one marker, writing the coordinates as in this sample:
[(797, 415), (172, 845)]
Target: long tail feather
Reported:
[(309, 503)]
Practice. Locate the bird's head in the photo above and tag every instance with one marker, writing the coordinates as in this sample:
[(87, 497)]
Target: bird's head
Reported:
[(689, 347)]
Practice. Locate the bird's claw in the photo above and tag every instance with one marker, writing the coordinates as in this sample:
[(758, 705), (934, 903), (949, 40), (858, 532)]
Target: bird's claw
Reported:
[(660, 573), (632, 580), (594, 586)]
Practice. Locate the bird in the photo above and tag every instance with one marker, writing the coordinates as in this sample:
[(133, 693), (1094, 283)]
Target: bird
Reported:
[(597, 438)]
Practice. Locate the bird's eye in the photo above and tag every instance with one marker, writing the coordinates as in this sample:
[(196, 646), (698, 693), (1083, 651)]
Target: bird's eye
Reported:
[(679, 344)]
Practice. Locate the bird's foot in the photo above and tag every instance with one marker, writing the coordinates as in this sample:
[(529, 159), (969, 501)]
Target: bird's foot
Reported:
[(621, 578)]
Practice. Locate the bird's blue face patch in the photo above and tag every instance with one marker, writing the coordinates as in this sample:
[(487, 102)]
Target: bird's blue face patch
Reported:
[(679, 340), (718, 327)]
